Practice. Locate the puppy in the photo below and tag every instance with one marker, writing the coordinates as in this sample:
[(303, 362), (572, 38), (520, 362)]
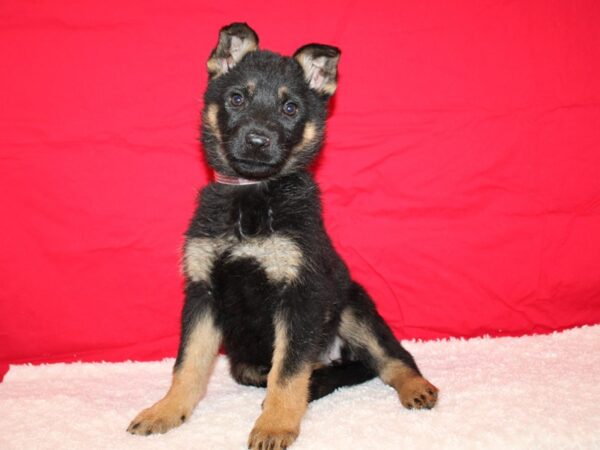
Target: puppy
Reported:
[(261, 275)]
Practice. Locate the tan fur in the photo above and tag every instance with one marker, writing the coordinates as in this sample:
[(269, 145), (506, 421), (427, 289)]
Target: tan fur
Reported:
[(214, 66), (395, 372), (329, 88), (210, 120), (251, 87), (414, 390), (188, 385), (281, 91), (309, 135), (278, 255), (358, 334), (285, 403), (279, 349), (199, 256)]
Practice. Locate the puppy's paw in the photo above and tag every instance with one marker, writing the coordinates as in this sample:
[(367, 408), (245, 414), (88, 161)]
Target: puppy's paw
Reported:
[(418, 393), (271, 439), (159, 418)]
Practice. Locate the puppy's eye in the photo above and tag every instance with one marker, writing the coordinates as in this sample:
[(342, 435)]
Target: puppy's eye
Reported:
[(290, 108), (236, 100)]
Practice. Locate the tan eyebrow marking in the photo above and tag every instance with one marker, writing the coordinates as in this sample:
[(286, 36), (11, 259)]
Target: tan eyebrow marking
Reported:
[(282, 91)]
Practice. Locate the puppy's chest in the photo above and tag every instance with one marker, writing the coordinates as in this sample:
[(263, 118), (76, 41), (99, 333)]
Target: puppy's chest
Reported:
[(251, 217), (250, 231)]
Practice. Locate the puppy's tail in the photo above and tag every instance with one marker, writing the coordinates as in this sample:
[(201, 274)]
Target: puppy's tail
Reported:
[(327, 379)]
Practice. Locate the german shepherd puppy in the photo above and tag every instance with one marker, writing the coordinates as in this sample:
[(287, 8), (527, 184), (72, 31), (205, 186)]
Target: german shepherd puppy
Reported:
[(261, 275)]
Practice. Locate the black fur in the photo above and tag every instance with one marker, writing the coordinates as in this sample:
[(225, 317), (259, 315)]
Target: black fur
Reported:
[(262, 276), (286, 202)]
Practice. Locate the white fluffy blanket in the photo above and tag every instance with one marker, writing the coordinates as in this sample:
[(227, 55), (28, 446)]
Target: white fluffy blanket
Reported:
[(536, 392)]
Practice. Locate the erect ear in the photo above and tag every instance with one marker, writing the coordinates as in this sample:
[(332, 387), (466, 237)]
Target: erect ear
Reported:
[(319, 63), (235, 41)]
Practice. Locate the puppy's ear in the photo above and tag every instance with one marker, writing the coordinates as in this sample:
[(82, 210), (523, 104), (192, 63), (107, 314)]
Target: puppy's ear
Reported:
[(319, 63), (235, 41)]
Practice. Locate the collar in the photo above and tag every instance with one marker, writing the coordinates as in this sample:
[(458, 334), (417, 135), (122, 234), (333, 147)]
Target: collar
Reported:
[(233, 181)]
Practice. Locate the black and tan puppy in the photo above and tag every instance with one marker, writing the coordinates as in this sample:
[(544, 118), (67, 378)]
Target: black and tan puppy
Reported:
[(262, 277)]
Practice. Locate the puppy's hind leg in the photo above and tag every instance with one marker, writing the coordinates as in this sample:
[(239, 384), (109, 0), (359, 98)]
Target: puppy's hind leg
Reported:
[(200, 340), (373, 342)]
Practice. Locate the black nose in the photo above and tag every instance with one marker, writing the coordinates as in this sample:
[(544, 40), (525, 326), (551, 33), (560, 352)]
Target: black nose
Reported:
[(256, 140)]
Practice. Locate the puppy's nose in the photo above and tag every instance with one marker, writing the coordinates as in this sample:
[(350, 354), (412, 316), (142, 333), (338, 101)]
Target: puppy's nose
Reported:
[(256, 140)]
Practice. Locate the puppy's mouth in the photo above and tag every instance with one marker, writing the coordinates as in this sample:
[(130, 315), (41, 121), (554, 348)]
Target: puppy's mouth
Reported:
[(253, 162), (253, 169)]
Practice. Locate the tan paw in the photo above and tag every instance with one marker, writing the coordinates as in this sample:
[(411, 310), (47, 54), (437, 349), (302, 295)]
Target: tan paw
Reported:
[(271, 439), (418, 393), (159, 418)]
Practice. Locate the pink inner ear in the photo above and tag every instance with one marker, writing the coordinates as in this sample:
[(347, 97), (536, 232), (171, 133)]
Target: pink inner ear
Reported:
[(236, 45), (316, 76), (226, 64), (317, 80)]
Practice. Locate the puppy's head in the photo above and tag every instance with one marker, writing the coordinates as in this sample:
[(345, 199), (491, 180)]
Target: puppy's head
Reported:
[(264, 113)]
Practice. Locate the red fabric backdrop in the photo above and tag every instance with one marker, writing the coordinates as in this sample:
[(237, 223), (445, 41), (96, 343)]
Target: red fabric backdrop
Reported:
[(460, 179)]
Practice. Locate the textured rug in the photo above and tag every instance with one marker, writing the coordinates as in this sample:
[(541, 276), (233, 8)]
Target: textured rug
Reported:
[(535, 392)]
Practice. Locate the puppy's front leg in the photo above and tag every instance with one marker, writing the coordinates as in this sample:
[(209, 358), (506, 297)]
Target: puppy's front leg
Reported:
[(287, 397), (199, 345)]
